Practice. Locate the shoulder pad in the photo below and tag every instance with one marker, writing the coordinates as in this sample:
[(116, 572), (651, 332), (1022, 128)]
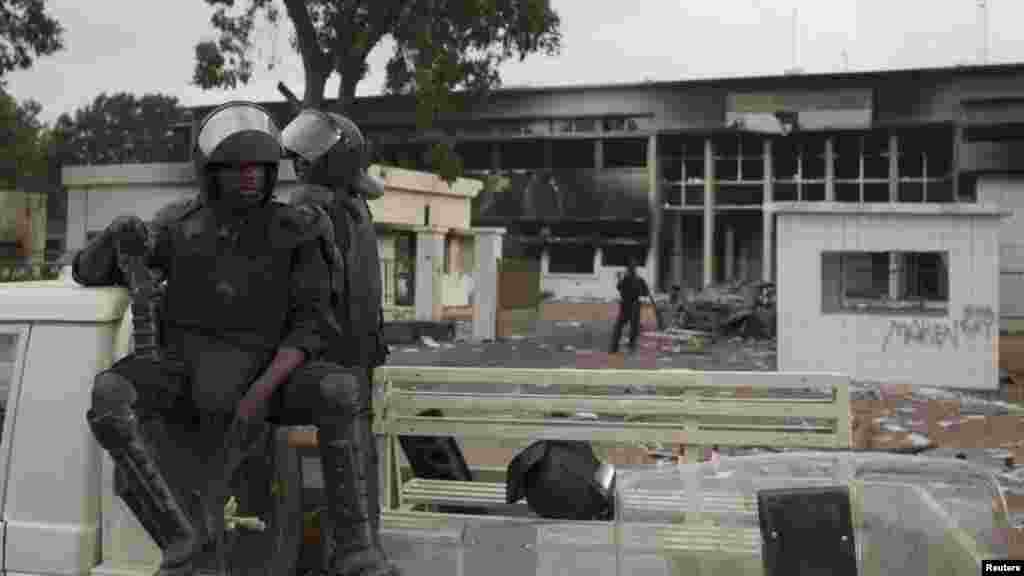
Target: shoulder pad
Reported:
[(175, 212), (312, 194), (301, 223)]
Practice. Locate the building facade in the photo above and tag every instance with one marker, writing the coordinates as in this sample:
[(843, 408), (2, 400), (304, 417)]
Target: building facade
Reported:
[(683, 175)]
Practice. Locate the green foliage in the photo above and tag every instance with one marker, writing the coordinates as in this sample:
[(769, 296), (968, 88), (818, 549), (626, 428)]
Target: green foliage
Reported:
[(23, 142), (119, 128), (13, 272), (447, 52), (26, 32)]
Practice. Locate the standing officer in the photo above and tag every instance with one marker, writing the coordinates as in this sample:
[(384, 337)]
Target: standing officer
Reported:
[(631, 288)]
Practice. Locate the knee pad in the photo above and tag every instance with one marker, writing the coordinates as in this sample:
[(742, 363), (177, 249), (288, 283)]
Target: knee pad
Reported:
[(345, 390), (111, 391)]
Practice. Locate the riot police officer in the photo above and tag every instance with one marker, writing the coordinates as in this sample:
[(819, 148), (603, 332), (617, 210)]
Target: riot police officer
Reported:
[(243, 327), (331, 157)]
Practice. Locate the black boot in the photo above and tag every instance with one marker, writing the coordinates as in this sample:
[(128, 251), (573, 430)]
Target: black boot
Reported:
[(351, 482), (143, 489)]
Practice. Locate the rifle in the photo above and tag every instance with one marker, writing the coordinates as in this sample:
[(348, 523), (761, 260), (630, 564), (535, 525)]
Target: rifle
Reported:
[(133, 252), (290, 97)]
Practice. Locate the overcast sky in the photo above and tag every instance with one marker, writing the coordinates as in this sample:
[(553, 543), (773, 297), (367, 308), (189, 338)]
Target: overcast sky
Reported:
[(146, 46)]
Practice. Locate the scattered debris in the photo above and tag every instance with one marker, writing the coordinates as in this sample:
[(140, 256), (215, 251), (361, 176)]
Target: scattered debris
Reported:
[(919, 440), (429, 342)]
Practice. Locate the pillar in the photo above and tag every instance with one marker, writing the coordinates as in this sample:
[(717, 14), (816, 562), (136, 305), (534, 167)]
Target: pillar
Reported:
[(709, 213), (894, 191), (768, 215), (894, 168), (77, 220), (656, 210), (730, 252), (429, 273), (830, 170), (488, 245), (678, 253)]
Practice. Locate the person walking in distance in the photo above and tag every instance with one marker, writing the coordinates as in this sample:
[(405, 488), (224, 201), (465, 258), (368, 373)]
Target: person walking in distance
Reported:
[(631, 288)]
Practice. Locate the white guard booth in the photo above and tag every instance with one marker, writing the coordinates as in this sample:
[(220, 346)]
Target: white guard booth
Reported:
[(899, 293)]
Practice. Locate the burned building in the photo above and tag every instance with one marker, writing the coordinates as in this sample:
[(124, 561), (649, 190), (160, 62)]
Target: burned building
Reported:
[(684, 174)]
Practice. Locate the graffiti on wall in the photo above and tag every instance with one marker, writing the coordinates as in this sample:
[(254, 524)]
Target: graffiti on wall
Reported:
[(976, 322)]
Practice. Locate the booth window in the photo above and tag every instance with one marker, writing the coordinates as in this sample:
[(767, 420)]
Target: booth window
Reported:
[(885, 281)]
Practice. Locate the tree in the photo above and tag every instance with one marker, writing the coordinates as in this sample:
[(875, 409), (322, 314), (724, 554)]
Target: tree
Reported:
[(26, 32), (441, 46), (119, 129), (23, 142)]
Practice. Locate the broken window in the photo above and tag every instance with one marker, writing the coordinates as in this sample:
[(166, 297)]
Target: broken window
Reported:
[(926, 165), (861, 166), (693, 159), (620, 254), (798, 168), (572, 154), (522, 155), (625, 153), (476, 156), (864, 281), (571, 259)]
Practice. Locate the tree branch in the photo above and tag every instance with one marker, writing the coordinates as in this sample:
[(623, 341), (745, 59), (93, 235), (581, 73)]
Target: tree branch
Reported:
[(314, 61)]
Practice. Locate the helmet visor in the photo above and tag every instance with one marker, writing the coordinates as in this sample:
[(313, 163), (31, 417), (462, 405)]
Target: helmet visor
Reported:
[(310, 135), (234, 120)]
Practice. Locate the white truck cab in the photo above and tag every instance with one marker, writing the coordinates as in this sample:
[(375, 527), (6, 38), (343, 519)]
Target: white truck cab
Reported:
[(54, 337)]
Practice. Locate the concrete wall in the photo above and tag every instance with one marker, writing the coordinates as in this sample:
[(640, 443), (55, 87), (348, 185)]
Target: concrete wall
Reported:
[(954, 349), (409, 193), (601, 285), (1008, 193)]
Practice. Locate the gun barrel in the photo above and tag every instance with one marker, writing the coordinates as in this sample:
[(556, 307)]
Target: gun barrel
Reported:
[(289, 95)]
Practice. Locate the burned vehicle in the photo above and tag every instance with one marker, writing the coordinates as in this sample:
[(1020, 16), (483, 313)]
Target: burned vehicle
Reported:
[(744, 309)]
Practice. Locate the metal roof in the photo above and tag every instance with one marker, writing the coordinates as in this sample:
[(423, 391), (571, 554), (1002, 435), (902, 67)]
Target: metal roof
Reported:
[(777, 79)]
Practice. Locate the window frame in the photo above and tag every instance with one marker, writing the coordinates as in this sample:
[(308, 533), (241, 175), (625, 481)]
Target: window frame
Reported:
[(896, 276)]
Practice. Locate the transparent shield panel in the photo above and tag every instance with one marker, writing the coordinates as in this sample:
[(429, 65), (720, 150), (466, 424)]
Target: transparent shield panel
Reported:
[(908, 515)]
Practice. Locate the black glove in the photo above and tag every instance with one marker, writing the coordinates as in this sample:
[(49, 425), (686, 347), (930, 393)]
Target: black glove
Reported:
[(130, 235)]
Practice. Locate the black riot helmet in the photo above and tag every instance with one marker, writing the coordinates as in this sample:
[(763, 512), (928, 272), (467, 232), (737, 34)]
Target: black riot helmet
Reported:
[(333, 150), (236, 134)]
